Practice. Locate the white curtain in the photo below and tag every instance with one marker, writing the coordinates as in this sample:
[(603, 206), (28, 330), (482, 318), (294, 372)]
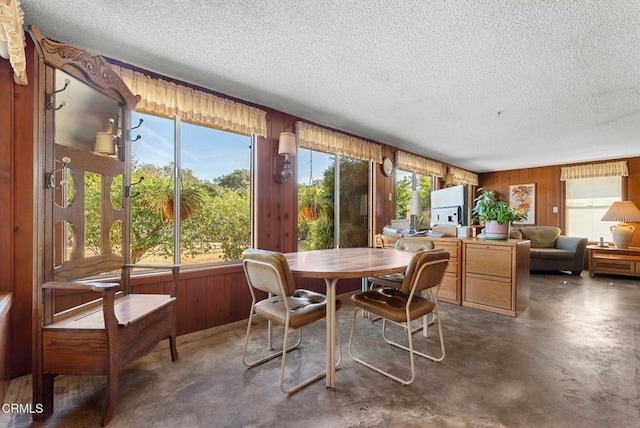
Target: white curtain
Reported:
[(317, 138), (168, 99), (607, 169), (421, 165), (464, 176), (12, 38)]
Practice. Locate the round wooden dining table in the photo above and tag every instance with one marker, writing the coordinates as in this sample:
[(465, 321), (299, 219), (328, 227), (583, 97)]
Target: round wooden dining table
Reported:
[(335, 264)]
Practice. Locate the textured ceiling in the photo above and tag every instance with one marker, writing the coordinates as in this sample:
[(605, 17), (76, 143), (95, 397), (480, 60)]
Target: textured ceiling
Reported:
[(484, 85)]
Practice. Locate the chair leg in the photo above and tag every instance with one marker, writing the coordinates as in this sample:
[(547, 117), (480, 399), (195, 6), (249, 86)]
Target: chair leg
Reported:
[(271, 356), (424, 355), (312, 378), (374, 368)]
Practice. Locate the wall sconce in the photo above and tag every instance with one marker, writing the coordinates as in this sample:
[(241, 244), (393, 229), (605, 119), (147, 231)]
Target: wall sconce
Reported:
[(286, 147), (416, 208), (622, 212)]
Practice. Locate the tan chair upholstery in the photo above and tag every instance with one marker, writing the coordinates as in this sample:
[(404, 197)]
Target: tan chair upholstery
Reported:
[(401, 306), (292, 308), (407, 244)]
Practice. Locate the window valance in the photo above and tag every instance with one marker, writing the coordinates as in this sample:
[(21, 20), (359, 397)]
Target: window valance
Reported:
[(421, 165), (316, 138), (12, 38), (607, 169), (464, 176), (169, 99)]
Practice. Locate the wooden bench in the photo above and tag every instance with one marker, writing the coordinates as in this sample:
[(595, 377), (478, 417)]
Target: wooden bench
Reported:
[(101, 337)]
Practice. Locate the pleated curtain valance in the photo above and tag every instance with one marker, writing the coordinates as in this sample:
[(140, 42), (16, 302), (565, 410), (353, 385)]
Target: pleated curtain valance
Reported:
[(168, 99), (607, 169), (421, 165), (464, 176), (317, 138), (12, 39)]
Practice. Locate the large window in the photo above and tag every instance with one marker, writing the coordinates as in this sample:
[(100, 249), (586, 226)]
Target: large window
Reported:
[(331, 201), (587, 199), (406, 182), (212, 170)]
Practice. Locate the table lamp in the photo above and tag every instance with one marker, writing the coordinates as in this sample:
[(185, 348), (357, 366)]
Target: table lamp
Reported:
[(622, 212)]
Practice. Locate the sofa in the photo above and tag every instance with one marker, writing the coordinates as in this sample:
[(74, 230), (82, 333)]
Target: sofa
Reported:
[(552, 251)]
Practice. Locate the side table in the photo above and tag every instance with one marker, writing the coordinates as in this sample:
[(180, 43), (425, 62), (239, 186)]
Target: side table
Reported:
[(612, 260)]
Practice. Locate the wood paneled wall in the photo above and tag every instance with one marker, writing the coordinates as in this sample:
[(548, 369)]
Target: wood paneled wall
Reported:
[(550, 190), (211, 296), (16, 208)]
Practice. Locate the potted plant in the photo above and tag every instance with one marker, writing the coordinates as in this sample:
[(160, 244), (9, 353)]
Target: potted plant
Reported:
[(496, 215), (310, 202), (191, 199)]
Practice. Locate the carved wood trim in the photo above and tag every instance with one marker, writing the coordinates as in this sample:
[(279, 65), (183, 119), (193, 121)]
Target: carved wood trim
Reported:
[(91, 68)]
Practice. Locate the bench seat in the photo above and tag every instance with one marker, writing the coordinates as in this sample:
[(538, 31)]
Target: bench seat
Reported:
[(128, 309)]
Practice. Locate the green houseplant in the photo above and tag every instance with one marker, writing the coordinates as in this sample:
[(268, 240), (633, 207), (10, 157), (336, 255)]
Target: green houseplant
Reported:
[(191, 199), (496, 215), (311, 202)]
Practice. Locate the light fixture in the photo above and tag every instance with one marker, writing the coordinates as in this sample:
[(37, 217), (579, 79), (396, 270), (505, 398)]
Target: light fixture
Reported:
[(286, 148), (106, 140), (415, 209), (622, 212)]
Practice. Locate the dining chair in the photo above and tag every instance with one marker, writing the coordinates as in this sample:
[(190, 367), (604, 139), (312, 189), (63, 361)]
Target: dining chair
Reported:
[(406, 244), (292, 308), (394, 280), (401, 306)]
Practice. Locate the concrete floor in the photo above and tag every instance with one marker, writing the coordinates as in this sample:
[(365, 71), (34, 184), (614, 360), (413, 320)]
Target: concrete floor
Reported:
[(570, 360)]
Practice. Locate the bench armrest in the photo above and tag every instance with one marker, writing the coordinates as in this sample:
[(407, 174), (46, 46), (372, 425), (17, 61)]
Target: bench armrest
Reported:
[(89, 285)]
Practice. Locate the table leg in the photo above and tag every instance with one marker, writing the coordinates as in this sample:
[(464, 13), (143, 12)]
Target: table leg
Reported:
[(331, 331)]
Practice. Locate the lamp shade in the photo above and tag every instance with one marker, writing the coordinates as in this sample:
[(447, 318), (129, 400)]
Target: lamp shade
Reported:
[(623, 211), (105, 143), (416, 203), (287, 144)]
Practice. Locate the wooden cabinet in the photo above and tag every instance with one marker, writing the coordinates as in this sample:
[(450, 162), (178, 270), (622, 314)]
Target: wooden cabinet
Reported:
[(450, 287), (496, 275), (614, 261)]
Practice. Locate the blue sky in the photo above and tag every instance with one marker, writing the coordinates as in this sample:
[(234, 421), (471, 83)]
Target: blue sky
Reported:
[(210, 153)]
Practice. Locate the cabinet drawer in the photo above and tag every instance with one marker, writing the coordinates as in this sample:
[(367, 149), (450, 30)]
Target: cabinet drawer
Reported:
[(451, 247), (615, 266), (488, 260), (488, 291), (448, 287), (452, 267)]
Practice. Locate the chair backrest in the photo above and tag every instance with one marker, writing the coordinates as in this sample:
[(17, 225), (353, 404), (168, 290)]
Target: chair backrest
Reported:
[(426, 270), (414, 244), (388, 241), (268, 271)]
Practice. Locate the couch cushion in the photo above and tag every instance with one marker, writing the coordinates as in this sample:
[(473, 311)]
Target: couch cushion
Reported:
[(555, 254), (541, 236), (515, 233)]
